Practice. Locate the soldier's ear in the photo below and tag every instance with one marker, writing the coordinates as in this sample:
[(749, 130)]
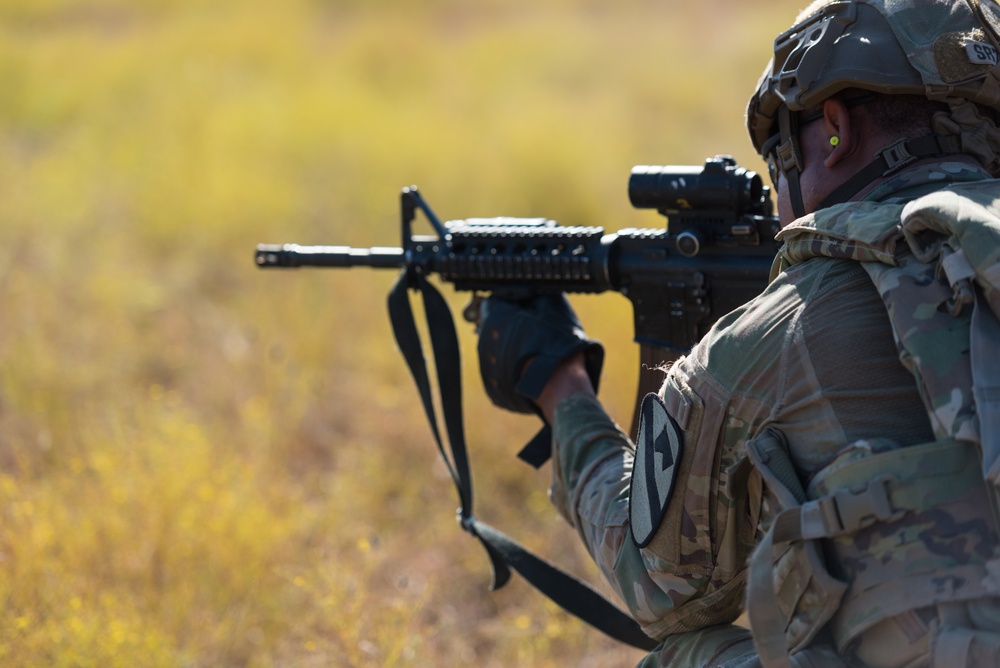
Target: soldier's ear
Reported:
[(841, 131)]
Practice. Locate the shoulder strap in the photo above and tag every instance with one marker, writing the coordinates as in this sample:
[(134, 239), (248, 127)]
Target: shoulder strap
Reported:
[(952, 271), (573, 595), (959, 231)]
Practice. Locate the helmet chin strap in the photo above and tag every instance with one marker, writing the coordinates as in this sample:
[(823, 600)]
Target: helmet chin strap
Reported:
[(890, 160), (789, 157)]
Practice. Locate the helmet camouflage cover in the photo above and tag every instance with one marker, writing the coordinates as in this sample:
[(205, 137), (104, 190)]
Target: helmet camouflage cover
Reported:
[(945, 50)]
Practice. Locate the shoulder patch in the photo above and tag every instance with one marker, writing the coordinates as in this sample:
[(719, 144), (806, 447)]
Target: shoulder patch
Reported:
[(658, 450)]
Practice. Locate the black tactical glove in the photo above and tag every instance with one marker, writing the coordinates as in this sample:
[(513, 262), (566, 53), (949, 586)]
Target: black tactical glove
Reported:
[(542, 329)]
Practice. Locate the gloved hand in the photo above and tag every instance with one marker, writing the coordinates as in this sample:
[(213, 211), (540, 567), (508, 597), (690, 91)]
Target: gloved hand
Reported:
[(542, 330)]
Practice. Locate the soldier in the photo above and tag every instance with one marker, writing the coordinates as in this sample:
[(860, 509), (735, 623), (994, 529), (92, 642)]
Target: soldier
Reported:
[(817, 459)]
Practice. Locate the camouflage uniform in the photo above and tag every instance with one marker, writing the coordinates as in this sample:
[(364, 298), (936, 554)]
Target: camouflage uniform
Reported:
[(813, 360), (840, 490)]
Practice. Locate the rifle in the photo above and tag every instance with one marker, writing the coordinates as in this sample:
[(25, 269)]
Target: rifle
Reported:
[(714, 255)]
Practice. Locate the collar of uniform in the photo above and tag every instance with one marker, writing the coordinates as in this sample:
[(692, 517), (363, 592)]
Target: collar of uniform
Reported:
[(861, 231), (868, 230), (920, 180)]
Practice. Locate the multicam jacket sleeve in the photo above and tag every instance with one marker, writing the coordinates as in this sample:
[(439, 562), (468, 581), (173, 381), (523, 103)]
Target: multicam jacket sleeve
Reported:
[(591, 489)]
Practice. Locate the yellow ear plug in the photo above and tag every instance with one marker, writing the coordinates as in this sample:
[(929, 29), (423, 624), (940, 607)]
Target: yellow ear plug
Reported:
[(834, 140)]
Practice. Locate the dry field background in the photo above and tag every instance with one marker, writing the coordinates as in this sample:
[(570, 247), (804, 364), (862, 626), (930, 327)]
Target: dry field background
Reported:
[(204, 464)]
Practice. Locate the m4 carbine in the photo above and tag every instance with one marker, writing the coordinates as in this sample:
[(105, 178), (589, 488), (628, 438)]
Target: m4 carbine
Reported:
[(714, 254)]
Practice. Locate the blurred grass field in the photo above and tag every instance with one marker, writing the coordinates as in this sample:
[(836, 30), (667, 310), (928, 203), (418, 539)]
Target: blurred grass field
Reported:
[(204, 464)]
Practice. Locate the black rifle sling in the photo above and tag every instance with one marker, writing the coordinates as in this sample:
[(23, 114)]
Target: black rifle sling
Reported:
[(573, 595)]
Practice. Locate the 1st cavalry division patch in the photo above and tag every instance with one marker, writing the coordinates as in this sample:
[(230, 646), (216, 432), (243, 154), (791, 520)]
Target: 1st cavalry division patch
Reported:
[(658, 448)]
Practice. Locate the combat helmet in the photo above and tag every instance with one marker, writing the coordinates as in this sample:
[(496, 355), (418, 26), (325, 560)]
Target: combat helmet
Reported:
[(945, 50)]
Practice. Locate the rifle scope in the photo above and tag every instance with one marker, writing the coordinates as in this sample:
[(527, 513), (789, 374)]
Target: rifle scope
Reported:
[(721, 185)]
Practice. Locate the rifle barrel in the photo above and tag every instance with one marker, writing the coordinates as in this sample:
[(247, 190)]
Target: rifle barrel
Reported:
[(294, 255)]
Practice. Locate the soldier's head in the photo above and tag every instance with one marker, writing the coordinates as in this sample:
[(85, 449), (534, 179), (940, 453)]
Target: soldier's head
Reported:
[(859, 89)]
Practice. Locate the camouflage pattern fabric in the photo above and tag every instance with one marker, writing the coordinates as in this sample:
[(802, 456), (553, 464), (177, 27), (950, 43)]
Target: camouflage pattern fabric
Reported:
[(963, 219), (814, 357), (934, 345), (898, 567), (939, 531)]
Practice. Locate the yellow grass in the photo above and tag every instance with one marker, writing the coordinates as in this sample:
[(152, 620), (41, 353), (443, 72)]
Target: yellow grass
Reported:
[(204, 464)]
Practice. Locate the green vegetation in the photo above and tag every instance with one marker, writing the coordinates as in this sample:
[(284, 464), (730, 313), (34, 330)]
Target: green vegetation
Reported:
[(203, 464)]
